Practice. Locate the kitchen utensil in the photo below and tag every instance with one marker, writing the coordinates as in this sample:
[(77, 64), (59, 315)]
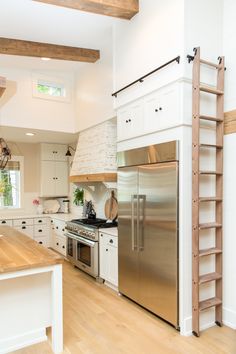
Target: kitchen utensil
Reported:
[(111, 207)]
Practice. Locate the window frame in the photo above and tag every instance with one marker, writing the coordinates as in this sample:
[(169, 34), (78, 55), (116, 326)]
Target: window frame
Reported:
[(54, 81), (20, 159)]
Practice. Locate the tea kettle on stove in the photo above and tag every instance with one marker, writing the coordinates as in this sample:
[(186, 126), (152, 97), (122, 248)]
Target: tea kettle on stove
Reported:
[(89, 210)]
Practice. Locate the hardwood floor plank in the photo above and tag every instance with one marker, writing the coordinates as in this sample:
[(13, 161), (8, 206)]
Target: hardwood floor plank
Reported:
[(98, 321)]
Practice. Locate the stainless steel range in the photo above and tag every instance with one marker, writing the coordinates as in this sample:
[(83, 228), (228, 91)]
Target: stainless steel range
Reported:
[(83, 243)]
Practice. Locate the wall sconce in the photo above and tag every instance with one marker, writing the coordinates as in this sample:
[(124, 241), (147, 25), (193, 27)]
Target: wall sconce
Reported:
[(68, 153)]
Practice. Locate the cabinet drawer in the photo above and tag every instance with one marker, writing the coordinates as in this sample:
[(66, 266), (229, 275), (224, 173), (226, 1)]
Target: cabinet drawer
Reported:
[(59, 227), (19, 222), (39, 221), (28, 230), (6, 222), (41, 230), (42, 241)]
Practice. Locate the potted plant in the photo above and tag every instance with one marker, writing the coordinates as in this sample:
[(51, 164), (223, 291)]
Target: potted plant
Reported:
[(78, 197)]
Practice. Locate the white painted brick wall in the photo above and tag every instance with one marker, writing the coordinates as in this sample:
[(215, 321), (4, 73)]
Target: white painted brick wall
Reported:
[(96, 150)]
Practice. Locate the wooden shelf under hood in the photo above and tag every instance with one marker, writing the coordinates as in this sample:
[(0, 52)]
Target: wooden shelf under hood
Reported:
[(97, 177), (3, 85)]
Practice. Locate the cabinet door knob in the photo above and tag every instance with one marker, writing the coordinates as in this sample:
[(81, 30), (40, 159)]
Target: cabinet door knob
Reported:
[(129, 120), (111, 241), (63, 229), (23, 227), (106, 249), (126, 121), (156, 110), (23, 222), (39, 221), (40, 230), (57, 244), (63, 246), (160, 108), (40, 242)]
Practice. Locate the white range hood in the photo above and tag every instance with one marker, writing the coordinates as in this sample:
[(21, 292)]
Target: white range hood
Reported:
[(95, 156)]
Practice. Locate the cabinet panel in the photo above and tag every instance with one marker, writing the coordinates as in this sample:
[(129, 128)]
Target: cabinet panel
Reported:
[(61, 182), (103, 263), (53, 152), (28, 230), (170, 105), (152, 113), (47, 178), (130, 121), (112, 273), (6, 222), (108, 258)]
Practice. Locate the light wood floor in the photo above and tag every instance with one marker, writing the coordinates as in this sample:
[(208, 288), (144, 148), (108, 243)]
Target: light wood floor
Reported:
[(98, 321)]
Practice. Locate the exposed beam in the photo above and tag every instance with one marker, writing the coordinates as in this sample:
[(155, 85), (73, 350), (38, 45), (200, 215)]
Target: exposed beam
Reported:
[(2, 85), (230, 122), (125, 9), (97, 177), (35, 49)]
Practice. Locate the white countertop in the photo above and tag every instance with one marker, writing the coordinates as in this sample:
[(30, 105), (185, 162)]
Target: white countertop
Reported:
[(113, 231)]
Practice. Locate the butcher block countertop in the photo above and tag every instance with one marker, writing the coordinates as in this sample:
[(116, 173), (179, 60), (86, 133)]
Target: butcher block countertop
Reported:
[(18, 252)]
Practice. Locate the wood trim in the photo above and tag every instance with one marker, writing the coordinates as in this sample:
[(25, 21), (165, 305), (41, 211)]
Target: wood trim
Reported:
[(97, 177), (230, 122), (124, 9), (35, 49), (3, 85)]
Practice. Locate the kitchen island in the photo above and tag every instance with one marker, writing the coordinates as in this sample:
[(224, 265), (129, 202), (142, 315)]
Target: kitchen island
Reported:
[(30, 292)]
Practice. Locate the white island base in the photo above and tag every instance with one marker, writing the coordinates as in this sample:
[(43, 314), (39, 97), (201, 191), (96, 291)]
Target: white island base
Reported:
[(30, 302)]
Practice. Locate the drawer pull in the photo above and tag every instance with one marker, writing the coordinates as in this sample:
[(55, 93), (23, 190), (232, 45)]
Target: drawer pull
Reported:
[(57, 244), (63, 246), (40, 230), (57, 227), (4, 222), (23, 227), (40, 242), (40, 221), (23, 222), (63, 229)]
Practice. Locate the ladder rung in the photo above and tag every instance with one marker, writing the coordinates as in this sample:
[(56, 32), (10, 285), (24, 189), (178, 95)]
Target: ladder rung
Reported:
[(209, 251), (210, 173), (209, 277), (202, 61), (209, 225), (210, 199), (212, 119), (212, 90), (211, 146), (206, 304)]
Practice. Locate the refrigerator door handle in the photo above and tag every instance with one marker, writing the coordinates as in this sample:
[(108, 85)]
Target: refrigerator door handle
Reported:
[(141, 215), (134, 244)]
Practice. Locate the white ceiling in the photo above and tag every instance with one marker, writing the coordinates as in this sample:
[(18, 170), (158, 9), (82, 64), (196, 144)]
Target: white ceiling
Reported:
[(30, 20), (41, 136)]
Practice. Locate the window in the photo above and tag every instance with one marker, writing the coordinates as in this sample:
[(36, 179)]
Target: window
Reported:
[(51, 88), (10, 185)]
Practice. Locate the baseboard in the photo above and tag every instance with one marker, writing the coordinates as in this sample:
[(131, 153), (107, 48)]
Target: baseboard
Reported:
[(186, 329), (11, 344), (110, 285), (229, 318)]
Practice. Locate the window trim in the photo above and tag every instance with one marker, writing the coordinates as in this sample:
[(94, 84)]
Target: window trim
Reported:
[(21, 195), (63, 83)]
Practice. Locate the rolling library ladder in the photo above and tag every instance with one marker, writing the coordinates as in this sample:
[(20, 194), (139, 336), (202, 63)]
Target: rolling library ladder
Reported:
[(197, 253)]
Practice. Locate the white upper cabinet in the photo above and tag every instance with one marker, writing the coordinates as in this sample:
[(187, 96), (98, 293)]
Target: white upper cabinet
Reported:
[(54, 171), (156, 111), (53, 152), (130, 121)]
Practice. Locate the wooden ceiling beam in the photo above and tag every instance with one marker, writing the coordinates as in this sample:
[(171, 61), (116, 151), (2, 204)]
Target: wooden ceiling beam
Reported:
[(124, 9), (3, 85), (45, 50)]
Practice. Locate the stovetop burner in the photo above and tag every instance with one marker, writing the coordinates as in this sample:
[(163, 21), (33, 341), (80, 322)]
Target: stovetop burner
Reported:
[(97, 223)]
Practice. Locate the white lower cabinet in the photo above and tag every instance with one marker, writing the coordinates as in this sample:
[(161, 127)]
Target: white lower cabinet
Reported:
[(58, 237), (108, 255)]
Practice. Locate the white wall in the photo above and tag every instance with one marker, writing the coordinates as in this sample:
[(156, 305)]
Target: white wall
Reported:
[(229, 35), (94, 103), (153, 37), (20, 109)]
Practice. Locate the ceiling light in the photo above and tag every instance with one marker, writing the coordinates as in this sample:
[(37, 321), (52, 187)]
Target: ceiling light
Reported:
[(45, 59), (29, 134)]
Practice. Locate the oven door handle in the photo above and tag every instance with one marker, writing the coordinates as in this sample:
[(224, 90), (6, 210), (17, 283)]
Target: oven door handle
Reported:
[(81, 240)]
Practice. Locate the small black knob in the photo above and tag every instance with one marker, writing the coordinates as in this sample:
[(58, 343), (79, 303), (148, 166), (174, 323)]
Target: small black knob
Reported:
[(111, 241), (39, 220), (106, 249), (101, 235), (156, 110), (129, 120), (57, 227), (57, 244), (23, 227), (63, 229), (40, 242), (160, 108), (23, 222), (40, 230), (63, 246), (3, 222)]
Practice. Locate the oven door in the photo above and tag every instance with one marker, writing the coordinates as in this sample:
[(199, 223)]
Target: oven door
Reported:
[(87, 256)]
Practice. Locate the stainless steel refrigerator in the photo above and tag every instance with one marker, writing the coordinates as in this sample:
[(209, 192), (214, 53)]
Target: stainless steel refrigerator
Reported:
[(148, 228)]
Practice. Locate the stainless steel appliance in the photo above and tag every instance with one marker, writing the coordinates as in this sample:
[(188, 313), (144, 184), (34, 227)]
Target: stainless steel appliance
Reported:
[(148, 228), (82, 243)]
